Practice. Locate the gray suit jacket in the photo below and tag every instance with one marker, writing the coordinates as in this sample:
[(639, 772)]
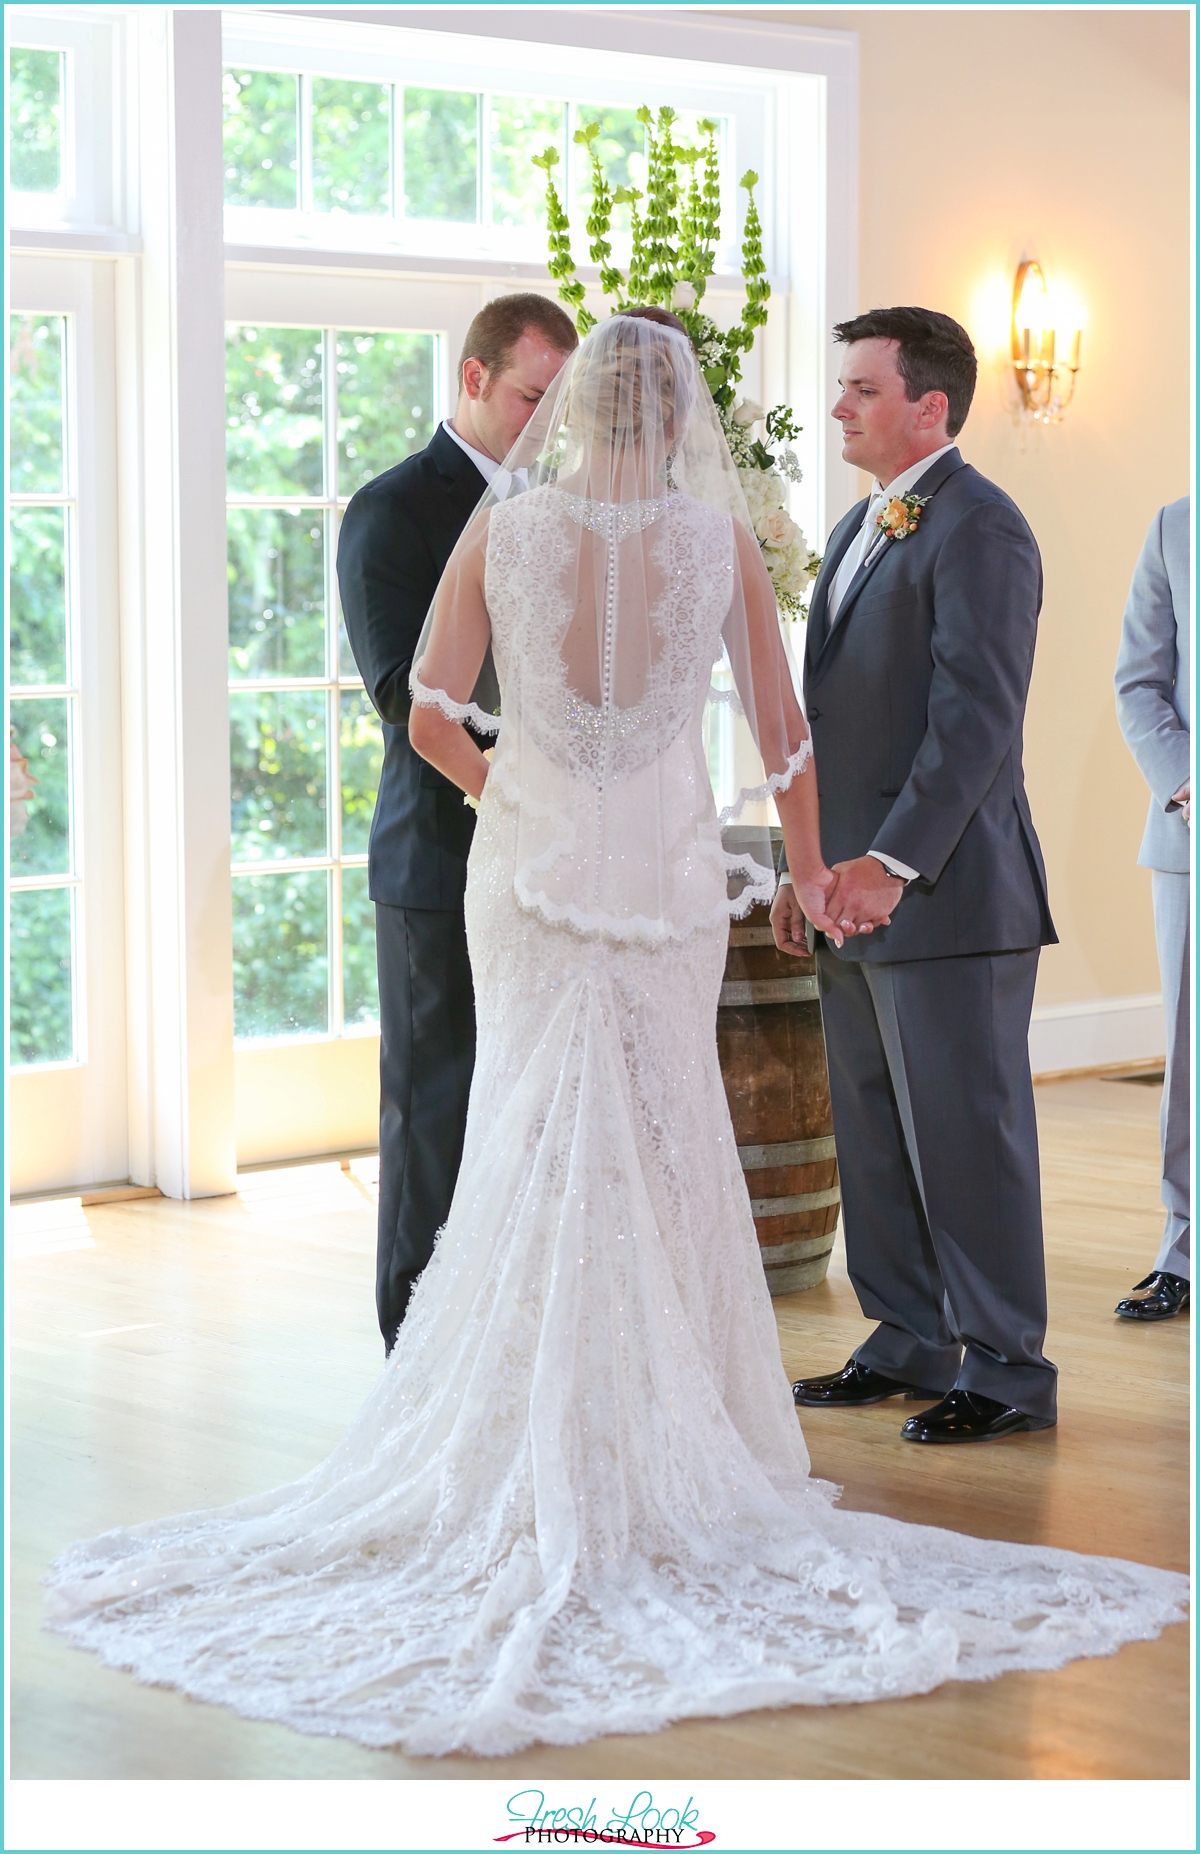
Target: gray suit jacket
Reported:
[(1154, 666), (916, 700)]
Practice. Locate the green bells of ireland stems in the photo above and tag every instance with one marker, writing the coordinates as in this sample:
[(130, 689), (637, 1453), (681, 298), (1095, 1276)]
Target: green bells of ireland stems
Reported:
[(675, 229)]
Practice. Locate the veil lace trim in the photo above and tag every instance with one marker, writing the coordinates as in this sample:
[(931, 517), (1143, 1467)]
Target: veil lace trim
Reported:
[(466, 712)]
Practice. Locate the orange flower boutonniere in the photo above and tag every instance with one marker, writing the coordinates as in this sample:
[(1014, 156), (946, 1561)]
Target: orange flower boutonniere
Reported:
[(901, 516)]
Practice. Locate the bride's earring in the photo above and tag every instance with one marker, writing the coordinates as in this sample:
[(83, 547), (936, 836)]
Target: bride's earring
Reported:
[(668, 468)]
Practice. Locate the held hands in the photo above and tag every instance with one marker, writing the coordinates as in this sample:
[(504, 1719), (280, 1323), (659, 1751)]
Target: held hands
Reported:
[(801, 900), (850, 898), (865, 895)]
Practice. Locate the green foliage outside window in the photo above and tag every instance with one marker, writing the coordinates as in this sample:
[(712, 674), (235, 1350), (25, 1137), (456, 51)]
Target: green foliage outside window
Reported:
[(35, 87), (276, 593), (281, 955), (518, 127), (351, 146), (42, 733), (35, 428), (385, 390), (40, 1015), (37, 557), (441, 155), (431, 155), (260, 131), (41, 938), (362, 763), (283, 761), (274, 417), (360, 977), (277, 773)]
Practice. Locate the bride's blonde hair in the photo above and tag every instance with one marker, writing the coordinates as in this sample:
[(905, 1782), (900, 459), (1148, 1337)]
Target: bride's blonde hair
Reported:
[(633, 372)]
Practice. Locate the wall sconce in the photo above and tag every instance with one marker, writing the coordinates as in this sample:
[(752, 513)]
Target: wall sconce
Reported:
[(1045, 379)]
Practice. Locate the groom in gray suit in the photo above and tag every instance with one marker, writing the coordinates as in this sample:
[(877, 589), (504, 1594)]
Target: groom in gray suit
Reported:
[(1154, 707), (917, 663)]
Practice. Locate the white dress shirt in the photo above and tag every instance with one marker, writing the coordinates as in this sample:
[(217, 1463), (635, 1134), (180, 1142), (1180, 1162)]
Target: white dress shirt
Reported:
[(852, 559), (494, 474), (860, 547)]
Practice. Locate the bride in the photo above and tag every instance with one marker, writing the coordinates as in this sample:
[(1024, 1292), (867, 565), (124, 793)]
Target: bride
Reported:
[(578, 1501)]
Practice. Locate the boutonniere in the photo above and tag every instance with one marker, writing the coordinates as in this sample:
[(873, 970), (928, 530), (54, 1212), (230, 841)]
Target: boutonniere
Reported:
[(900, 517)]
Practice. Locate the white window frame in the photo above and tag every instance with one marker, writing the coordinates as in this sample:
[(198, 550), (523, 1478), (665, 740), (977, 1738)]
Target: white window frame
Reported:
[(151, 145), (490, 68), (89, 197), (331, 506), (71, 690), (69, 1120), (789, 94)]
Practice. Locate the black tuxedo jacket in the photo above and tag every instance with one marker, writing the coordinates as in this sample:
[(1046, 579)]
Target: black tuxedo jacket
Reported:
[(397, 535), (916, 701)]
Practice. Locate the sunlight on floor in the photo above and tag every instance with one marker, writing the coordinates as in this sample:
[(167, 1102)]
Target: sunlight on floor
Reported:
[(51, 1227)]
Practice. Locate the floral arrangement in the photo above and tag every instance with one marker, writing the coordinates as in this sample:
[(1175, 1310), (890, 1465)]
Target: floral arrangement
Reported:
[(901, 516), (675, 228)]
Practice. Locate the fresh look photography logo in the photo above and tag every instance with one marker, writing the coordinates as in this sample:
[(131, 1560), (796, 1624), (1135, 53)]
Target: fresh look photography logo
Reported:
[(642, 1823)]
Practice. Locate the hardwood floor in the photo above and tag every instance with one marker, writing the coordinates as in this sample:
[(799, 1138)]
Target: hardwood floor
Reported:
[(166, 1356)]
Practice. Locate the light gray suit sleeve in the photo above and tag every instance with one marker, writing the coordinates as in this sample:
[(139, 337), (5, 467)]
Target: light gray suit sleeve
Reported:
[(1147, 665)]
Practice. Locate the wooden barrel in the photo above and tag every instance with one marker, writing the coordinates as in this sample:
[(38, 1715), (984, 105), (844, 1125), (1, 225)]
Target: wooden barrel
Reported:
[(772, 1052)]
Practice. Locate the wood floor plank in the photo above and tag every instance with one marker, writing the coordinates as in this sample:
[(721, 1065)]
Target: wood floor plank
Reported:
[(194, 1353)]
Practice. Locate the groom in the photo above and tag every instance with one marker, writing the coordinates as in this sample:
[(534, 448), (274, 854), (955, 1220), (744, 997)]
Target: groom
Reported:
[(397, 535), (919, 650)]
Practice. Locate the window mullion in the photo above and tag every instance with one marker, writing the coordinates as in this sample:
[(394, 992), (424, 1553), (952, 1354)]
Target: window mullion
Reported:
[(485, 159), (395, 149), (333, 700), (304, 141)]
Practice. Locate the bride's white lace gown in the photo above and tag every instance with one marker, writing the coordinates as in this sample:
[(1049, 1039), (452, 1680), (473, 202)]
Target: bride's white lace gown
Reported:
[(578, 1499)]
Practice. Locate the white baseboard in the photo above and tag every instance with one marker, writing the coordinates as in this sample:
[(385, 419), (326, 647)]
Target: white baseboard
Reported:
[(1097, 1033), (299, 1100)]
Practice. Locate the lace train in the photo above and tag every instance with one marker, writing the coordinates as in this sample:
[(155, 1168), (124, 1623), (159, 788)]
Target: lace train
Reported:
[(578, 1501)]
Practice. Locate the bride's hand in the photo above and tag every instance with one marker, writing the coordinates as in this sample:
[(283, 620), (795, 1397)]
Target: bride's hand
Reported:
[(816, 895), (797, 901)]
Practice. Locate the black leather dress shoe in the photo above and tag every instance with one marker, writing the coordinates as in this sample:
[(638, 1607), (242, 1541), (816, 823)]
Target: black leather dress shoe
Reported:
[(853, 1385), (1168, 1296), (965, 1416)]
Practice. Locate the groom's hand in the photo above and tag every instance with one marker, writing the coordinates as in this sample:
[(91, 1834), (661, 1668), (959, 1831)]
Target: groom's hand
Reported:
[(865, 894)]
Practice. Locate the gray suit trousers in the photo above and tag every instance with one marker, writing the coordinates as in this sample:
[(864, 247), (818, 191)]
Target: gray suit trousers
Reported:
[(938, 1155), (1173, 931)]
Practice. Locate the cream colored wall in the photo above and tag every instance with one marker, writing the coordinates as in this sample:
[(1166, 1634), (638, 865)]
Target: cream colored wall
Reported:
[(986, 136)]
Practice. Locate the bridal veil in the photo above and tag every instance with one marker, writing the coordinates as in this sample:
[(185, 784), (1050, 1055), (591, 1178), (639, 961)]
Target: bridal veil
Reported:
[(613, 571)]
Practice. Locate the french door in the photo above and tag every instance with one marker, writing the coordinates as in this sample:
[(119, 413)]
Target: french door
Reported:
[(69, 1111), (330, 381)]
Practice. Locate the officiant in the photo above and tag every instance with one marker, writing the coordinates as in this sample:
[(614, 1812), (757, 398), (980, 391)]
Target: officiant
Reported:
[(397, 534)]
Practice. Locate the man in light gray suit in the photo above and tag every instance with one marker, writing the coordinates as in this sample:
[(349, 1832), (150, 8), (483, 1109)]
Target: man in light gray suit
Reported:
[(1154, 708), (917, 663)]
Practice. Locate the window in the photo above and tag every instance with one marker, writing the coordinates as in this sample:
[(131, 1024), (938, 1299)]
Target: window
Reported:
[(65, 153), (44, 735), (313, 413), (36, 82), (337, 145)]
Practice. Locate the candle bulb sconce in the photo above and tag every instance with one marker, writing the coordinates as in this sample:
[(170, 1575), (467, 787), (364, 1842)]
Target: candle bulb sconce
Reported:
[(1045, 358)]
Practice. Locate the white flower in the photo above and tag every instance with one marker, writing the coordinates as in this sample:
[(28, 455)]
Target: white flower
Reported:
[(776, 529), (748, 413), (763, 491)]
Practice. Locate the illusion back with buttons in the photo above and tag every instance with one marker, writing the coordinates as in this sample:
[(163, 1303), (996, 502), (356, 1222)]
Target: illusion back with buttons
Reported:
[(634, 633)]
